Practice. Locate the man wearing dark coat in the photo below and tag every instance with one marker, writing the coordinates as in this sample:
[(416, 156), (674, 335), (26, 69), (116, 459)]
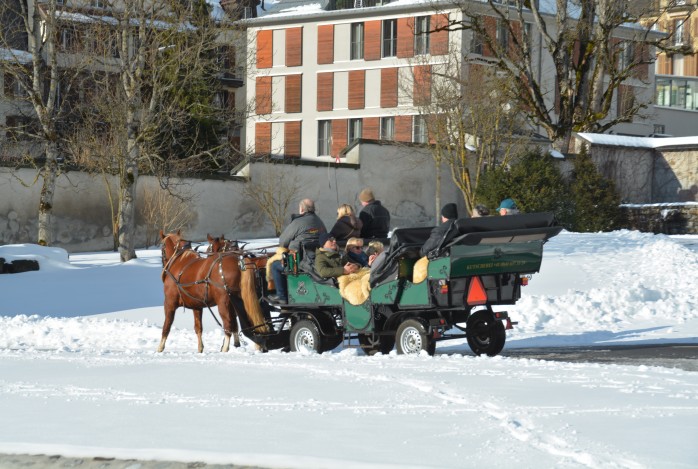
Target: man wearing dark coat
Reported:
[(374, 217), (329, 262), (449, 214)]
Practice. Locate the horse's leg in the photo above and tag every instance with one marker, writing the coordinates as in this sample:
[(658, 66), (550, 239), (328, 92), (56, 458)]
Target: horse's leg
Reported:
[(170, 308), (198, 328), (230, 323)]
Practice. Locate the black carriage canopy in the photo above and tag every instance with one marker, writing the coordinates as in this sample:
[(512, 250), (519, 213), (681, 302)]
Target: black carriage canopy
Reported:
[(406, 242)]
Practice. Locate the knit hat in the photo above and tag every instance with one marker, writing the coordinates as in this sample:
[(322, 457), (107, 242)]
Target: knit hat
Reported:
[(507, 203), (324, 237), (449, 211), (366, 195)]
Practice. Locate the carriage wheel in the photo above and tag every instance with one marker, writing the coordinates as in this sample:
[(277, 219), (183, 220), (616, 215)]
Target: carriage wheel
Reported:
[(485, 334), (382, 344), (305, 337), (412, 338)]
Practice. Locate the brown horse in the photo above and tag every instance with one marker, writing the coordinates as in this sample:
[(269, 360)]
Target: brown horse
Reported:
[(220, 244), (197, 282)]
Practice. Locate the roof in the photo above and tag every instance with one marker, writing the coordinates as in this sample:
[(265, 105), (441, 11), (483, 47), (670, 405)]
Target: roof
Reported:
[(638, 142)]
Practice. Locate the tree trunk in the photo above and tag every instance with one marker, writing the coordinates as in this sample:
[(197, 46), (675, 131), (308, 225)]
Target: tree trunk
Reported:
[(48, 189), (127, 200)]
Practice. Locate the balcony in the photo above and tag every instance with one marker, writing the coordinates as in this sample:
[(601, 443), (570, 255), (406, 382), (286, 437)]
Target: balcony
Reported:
[(352, 4)]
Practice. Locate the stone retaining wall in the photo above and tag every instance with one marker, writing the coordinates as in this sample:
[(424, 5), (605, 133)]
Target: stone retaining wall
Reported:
[(662, 218)]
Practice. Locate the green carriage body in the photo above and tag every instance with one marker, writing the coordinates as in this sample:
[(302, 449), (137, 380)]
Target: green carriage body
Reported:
[(495, 253)]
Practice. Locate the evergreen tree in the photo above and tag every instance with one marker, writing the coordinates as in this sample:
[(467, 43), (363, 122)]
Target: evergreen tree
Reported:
[(596, 202)]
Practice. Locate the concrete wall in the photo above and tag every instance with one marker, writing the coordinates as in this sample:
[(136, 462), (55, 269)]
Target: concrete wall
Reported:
[(403, 178)]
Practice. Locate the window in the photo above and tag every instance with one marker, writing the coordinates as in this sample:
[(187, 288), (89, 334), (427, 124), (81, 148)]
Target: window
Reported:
[(419, 130), (355, 127), (626, 54), (13, 88), (324, 140), (678, 32), (387, 128), (357, 41), (20, 128), (476, 43), (99, 3), (659, 129), (389, 38), (421, 35), (503, 34)]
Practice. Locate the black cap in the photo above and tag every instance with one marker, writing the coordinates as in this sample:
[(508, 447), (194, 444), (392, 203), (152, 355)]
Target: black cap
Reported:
[(450, 211), (324, 237)]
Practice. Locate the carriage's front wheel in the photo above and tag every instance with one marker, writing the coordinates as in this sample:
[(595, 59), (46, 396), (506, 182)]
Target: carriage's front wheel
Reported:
[(305, 337)]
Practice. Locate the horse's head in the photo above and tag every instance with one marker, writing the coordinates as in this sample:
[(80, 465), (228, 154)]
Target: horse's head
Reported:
[(172, 243), (220, 244)]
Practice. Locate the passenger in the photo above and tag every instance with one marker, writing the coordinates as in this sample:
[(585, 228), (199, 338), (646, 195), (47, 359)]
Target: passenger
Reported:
[(374, 217), (507, 207), (375, 249), (329, 262), (355, 252), (306, 227), (449, 214), (347, 225), (480, 211)]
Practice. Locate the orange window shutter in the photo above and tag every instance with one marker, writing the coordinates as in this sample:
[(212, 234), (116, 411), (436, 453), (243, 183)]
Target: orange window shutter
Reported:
[(292, 139), (325, 91), (357, 89), (389, 87), (262, 138), (325, 44), (372, 40), (491, 35), (371, 128), (339, 136), (263, 95), (403, 128), (264, 48), (405, 38), (293, 93), (422, 85), (439, 38), (294, 47)]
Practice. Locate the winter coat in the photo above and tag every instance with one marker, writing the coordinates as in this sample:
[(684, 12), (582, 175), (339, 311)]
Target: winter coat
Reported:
[(329, 263), (437, 234), (305, 228), (345, 228), (375, 219), (360, 258)]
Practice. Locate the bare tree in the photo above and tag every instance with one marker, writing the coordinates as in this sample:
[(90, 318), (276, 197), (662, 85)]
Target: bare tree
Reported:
[(595, 46), (36, 45), (274, 188), (165, 210)]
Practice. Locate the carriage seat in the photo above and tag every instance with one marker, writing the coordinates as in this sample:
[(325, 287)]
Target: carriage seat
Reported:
[(307, 263), (405, 244)]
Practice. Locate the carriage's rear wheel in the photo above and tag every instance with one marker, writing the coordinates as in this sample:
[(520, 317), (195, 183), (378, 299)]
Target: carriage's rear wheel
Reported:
[(485, 334), (305, 337), (412, 338), (370, 346)]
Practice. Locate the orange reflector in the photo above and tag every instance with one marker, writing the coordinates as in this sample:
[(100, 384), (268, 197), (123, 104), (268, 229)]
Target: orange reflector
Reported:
[(476, 292), (524, 281), (444, 289)]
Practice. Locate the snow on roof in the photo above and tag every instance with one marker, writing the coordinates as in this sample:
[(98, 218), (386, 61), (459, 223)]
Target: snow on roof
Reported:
[(15, 55), (637, 142)]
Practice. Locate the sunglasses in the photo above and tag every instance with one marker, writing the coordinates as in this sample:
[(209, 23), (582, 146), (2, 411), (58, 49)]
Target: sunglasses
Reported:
[(356, 248)]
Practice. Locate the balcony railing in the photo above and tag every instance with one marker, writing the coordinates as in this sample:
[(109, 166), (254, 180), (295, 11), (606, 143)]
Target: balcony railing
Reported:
[(351, 4)]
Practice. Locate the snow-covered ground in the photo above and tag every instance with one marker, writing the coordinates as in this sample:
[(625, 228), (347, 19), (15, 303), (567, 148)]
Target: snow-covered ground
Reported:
[(79, 375)]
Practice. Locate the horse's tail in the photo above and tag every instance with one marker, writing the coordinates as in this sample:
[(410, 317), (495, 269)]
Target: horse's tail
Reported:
[(249, 298)]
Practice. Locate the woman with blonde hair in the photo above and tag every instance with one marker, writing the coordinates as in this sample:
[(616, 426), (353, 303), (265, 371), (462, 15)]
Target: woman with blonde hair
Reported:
[(347, 225), (355, 252)]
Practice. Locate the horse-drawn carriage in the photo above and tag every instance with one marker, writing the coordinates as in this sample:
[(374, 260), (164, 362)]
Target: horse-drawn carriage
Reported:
[(409, 302)]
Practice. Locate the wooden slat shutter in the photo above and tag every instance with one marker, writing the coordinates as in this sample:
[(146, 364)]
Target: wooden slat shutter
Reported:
[(421, 93), (325, 44), (357, 89), (263, 95), (439, 38), (325, 91), (371, 128), (294, 47), (293, 93), (403, 128), (264, 48), (292, 139), (339, 136), (491, 35), (642, 54), (372, 40), (262, 138), (405, 37), (389, 87)]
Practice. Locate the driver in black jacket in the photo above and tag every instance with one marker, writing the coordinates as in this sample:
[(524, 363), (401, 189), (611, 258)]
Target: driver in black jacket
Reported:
[(449, 215)]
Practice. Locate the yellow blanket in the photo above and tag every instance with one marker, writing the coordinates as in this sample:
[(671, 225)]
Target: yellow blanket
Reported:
[(278, 255), (419, 273), (355, 288)]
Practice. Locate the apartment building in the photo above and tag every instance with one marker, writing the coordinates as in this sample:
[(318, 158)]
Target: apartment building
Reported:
[(324, 76)]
